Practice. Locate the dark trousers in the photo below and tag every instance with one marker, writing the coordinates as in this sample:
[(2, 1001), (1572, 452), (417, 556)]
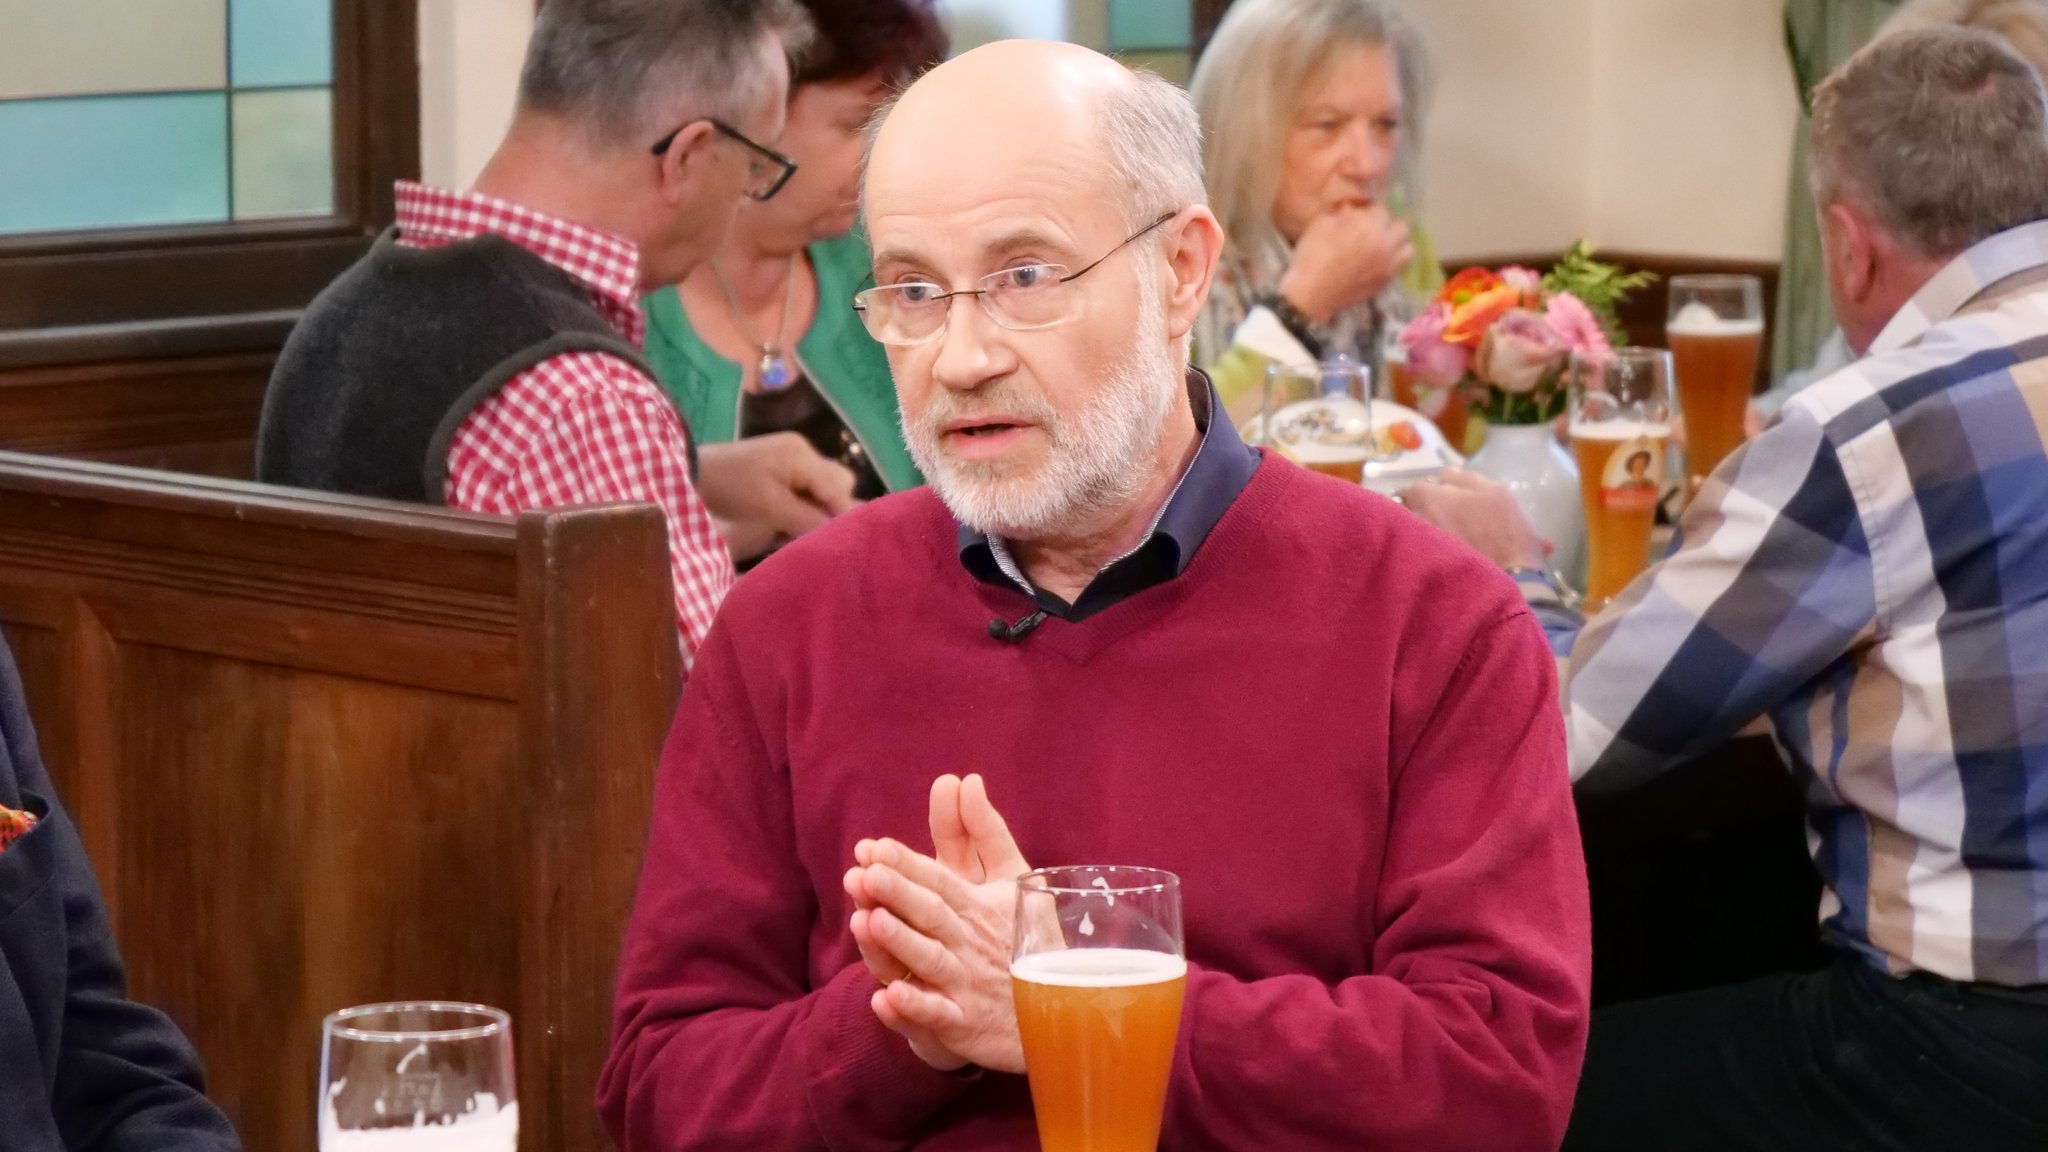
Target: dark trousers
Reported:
[(1843, 1058)]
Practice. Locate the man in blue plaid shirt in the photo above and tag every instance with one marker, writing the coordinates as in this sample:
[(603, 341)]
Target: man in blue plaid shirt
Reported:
[(1871, 573)]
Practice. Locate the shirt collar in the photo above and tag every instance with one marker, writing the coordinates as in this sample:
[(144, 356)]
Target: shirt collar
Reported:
[(1983, 265), (607, 265), (1221, 467)]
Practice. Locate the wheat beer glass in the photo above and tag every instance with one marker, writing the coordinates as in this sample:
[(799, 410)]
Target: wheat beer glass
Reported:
[(1715, 332), (1098, 973), (417, 1077), (1320, 416), (1620, 425)]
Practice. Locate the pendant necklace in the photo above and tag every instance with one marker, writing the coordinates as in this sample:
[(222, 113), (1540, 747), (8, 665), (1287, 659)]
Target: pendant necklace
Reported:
[(774, 366)]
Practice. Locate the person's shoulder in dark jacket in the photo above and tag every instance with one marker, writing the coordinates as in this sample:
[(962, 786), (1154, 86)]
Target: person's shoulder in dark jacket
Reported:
[(82, 1066)]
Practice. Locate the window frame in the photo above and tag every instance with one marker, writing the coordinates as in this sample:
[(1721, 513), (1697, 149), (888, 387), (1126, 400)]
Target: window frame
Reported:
[(63, 294)]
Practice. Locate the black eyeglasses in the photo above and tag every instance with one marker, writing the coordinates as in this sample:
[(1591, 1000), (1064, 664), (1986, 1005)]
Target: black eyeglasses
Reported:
[(767, 170)]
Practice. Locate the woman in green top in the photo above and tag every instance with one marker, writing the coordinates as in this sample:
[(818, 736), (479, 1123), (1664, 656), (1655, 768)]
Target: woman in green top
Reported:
[(762, 339), (1308, 112)]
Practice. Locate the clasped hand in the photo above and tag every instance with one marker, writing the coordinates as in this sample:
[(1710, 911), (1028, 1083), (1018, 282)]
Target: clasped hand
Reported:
[(936, 931)]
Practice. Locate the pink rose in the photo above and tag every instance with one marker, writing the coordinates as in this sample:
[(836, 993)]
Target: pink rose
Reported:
[(1529, 283), (1431, 359), (1574, 323), (1519, 352)]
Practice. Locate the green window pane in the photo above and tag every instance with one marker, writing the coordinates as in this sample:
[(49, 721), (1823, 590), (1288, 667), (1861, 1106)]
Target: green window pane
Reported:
[(284, 153), (1154, 24), (281, 43), (81, 47), (113, 161)]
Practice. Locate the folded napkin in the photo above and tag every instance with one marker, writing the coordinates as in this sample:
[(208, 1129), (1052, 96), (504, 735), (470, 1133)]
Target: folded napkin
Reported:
[(14, 825)]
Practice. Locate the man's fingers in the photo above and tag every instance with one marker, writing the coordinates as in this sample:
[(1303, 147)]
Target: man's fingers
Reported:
[(924, 957), (1000, 857), (915, 900), (950, 842), (882, 964), (856, 886), (922, 1008)]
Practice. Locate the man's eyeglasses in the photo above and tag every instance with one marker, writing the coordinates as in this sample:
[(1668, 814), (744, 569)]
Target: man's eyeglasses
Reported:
[(767, 169), (1020, 299)]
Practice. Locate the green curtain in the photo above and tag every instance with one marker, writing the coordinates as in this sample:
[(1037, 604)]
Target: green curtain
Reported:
[(1819, 36)]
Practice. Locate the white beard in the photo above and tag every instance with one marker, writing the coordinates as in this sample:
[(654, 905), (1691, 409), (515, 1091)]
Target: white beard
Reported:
[(1098, 459)]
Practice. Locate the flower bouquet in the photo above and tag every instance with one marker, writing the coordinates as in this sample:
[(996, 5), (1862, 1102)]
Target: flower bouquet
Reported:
[(1503, 338)]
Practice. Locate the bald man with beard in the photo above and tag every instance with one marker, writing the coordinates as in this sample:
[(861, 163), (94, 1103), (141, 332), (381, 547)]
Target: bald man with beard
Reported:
[(1108, 632)]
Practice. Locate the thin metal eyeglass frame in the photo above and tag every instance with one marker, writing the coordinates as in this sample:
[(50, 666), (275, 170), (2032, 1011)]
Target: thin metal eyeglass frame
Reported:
[(981, 294), (787, 166)]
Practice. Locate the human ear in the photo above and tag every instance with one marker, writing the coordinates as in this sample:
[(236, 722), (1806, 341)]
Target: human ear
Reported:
[(1850, 248), (1193, 246), (686, 162)]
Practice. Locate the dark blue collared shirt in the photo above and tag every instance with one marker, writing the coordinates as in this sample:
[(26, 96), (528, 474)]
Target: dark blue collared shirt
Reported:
[(1222, 466)]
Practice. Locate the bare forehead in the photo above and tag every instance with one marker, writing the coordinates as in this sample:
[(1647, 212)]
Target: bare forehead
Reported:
[(948, 183)]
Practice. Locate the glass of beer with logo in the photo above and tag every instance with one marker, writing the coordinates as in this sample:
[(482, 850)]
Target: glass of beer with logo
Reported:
[(1620, 424), (1098, 971), (1716, 331), (1320, 416)]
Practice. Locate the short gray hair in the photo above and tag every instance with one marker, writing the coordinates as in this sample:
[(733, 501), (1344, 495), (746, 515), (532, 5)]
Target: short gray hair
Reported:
[(1940, 133), (626, 71), (1249, 82), (1154, 141)]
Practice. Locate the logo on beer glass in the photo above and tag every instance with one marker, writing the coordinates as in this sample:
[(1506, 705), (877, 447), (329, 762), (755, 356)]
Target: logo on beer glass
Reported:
[(1630, 480)]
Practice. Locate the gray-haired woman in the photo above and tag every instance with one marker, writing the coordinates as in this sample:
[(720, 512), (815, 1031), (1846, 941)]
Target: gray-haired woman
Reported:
[(1309, 110)]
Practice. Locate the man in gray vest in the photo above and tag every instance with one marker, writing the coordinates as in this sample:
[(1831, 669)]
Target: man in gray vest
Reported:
[(485, 353)]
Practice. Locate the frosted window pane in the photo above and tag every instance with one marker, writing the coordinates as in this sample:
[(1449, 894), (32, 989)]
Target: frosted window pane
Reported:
[(279, 43), (1139, 24), (74, 47), (111, 161), (284, 154)]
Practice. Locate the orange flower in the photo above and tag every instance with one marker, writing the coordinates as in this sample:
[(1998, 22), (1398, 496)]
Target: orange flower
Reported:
[(1470, 320), (1470, 282)]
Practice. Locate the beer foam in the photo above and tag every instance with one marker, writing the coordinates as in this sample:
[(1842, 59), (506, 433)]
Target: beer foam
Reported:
[(1696, 319), (488, 1129), (1619, 430), (1099, 968), (1310, 452)]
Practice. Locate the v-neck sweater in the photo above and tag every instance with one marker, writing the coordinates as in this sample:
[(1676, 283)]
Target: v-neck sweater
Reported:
[(1337, 725)]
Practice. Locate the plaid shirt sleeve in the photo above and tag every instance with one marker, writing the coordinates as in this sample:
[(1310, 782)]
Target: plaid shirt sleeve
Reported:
[(586, 428), (1771, 582)]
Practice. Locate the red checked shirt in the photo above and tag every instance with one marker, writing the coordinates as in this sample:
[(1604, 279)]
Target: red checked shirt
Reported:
[(583, 427)]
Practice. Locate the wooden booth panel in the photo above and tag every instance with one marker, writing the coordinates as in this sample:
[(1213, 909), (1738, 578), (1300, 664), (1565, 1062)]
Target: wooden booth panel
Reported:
[(328, 751), (187, 414), (380, 848)]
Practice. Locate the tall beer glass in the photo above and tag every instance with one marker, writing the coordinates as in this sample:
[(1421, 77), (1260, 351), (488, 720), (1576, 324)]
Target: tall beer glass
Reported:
[(1098, 973), (1716, 331), (1620, 424), (1320, 416), (417, 1077)]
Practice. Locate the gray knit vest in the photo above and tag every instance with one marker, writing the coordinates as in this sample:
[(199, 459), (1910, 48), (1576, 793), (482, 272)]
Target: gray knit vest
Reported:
[(387, 362)]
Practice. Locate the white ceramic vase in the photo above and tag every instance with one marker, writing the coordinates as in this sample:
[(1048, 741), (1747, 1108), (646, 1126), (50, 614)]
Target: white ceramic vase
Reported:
[(1528, 459)]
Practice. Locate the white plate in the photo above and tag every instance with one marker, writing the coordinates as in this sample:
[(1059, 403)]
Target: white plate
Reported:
[(1389, 476)]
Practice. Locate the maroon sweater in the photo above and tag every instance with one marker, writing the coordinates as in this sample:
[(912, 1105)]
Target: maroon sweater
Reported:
[(1340, 728)]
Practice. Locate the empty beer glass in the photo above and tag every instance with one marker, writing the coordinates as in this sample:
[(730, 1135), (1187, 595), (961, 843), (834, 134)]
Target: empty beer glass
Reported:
[(417, 1077)]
